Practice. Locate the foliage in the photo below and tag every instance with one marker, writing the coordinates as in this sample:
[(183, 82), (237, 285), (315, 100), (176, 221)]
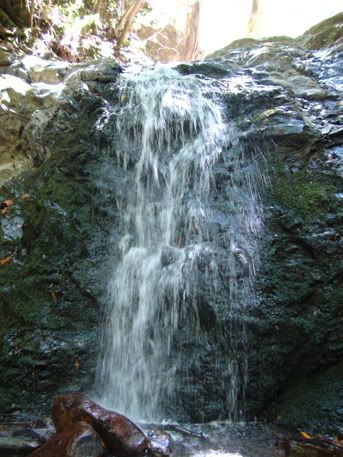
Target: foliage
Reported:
[(70, 29)]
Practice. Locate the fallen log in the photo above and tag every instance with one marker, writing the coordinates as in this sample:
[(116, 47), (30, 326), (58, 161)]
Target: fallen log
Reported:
[(79, 441), (121, 436)]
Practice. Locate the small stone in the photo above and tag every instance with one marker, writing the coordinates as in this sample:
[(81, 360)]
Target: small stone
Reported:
[(161, 443), (5, 58)]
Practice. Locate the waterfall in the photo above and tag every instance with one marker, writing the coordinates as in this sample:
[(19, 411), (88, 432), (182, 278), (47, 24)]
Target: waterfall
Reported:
[(171, 138)]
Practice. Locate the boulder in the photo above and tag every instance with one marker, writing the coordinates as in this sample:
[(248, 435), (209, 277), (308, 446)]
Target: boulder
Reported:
[(121, 436), (5, 58), (100, 71), (78, 441)]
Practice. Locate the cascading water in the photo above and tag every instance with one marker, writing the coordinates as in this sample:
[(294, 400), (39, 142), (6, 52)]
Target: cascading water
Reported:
[(172, 137)]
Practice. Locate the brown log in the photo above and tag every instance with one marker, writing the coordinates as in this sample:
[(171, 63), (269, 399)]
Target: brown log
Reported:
[(121, 436), (97, 6), (79, 441)]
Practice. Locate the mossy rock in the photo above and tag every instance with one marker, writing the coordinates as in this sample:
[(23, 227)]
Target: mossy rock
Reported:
[(325, 34), (302, 194)]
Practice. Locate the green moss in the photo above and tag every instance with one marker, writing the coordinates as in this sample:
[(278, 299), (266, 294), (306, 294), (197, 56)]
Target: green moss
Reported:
[(302, 194), (324, 34)]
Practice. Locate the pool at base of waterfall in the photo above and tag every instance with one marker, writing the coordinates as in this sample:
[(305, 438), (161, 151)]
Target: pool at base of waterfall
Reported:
[(215, 439), (231, 440)]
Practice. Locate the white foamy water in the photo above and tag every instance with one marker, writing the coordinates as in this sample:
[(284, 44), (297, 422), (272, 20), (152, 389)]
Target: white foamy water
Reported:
[(217, 453), (173, 134)]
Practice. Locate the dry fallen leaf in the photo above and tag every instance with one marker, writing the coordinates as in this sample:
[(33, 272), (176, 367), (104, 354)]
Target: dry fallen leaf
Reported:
[(305, 435), (53, 296), (6, 260), (5, 206)]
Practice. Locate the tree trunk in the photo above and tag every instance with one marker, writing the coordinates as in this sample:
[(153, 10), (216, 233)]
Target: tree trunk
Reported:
[(191, 39), (253, 16), (97, 6), (126, 21)]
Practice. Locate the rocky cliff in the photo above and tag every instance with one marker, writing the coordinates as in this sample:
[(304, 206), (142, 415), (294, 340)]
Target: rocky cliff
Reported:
[(58, 215)]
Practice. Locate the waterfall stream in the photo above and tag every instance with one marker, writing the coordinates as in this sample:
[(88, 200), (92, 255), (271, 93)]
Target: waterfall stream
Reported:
[(172, 137)]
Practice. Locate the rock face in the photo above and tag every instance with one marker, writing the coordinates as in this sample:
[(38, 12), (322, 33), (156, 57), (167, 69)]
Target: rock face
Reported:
[(284, 96), (292, 96), (50, 309), (29, 87)]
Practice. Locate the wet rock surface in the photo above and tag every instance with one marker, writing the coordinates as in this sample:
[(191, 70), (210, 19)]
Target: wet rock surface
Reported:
[(82, 429), (295, 342), (217, 439), (18, 439), (284, 96), (55, 237), (161, 443)]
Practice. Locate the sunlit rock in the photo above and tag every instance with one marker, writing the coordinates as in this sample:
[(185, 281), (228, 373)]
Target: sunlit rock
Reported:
[(23, 106), (44, 71), (6, 58), (102, 71)]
